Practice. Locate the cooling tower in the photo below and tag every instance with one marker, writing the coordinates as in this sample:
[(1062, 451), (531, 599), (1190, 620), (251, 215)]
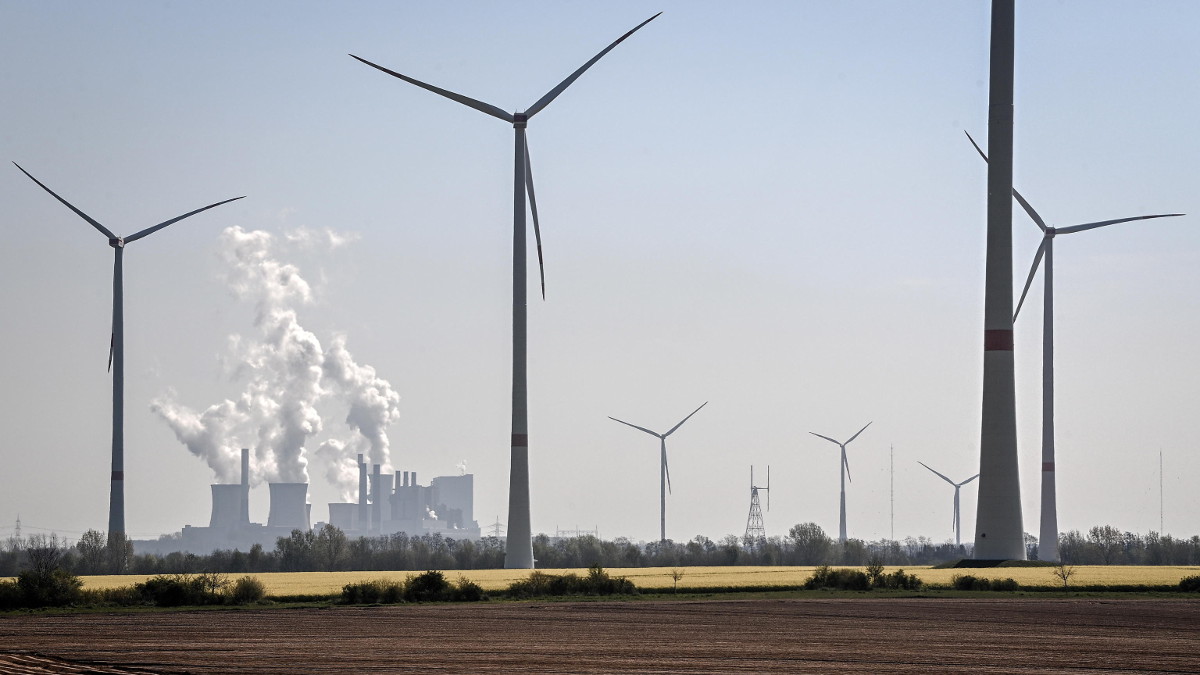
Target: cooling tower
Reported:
[(343, 516), (226, 506), (289, 506)]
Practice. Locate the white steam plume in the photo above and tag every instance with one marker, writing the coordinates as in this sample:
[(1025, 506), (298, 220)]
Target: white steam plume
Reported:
[(286, 374)]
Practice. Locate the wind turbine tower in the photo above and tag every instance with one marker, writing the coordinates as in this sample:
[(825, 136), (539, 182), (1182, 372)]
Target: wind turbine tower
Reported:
[(518, 552), (957, 486), (116, 352), (999, 531), (755, 530), (845, 472), (1048, 530), (664, 473)]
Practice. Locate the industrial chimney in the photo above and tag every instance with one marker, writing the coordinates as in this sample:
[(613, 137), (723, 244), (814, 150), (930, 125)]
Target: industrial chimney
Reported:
[(245, 515), (364, 513), (376, 499)]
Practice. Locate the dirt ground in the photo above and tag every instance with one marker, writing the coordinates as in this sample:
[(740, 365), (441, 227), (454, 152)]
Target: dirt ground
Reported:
[(701, 636)]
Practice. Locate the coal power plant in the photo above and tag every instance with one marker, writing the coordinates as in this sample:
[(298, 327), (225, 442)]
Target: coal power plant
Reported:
[(388, 504)]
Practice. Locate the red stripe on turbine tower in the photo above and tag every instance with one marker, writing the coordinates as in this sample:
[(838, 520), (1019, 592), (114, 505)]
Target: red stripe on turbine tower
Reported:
[(1047, 466), (520, 440), (997, 340)]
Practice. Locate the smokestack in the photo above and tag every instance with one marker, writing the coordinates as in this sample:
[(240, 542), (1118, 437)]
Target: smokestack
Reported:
[(413, 476), (289, 506), (376, 499), (405, 479), (245, 515), (364, 515), (226, 506)]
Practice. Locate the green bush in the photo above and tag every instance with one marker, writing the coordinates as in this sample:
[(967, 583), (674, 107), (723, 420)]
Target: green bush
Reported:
[(247, 590), (967, 582), (428, 586), (899, 580), (839, 579), (1190, 584), (597, 582), (56, 588), (373, 592), (175, 590), (10, 595), (466, 590)]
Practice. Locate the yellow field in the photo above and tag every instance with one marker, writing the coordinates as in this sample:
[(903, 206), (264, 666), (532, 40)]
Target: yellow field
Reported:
[(315, 583)]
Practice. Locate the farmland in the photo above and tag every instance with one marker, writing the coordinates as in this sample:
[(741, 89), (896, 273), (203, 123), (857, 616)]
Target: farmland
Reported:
[(327, 583), (918, 635)]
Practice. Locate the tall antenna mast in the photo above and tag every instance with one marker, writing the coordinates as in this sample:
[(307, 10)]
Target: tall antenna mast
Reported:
[(1160, 492), (19, 521), (892, 486)]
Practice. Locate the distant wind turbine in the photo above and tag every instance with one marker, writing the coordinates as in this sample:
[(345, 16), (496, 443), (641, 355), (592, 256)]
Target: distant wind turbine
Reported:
[(845, 467), (116, 352), (519, 549), (1048, 534), (957, 528), (664, 473)]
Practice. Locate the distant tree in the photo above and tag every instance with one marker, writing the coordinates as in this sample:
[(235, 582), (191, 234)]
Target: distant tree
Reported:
[(329, 547), (810, 543), (44, 553), (1031, 547), (119, 553), (93, 551), (1108, 542), (295, 551), (676, 575)]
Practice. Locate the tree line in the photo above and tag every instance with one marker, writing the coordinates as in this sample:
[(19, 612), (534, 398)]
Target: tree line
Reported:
[(329, 549)]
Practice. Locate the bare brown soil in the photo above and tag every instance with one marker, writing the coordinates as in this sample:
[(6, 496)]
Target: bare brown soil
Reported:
[(703, 636)]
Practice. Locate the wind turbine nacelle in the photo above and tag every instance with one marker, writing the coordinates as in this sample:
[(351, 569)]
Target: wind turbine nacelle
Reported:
[(116, 242)]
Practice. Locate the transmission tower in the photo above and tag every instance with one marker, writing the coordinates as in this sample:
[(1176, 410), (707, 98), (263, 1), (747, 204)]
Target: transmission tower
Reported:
[(755, 532), (495, 528)]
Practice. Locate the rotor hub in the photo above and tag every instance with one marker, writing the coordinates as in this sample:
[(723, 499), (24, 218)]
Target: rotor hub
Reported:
[(1050, 232), (117, 242), (520, 120)]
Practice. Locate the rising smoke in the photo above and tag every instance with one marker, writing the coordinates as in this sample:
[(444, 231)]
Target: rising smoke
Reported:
[(286, 373)]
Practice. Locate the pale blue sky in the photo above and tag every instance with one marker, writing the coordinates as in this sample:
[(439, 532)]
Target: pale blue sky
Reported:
[(770, 206)]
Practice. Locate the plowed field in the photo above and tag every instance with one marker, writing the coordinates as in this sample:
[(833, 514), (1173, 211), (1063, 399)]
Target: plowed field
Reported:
[(749, 636)]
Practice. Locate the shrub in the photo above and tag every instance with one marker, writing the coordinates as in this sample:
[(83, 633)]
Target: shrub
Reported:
[(840, 579), (466, 590), (1190, 584), (875, 572), (967, 582), (247, 590), (377, 591), (900, 580), (597, 582), (175, 590), (10, 595), (428, 586), (52, 588)]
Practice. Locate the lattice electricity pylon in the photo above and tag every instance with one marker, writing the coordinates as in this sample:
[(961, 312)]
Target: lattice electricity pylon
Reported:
[(755, 532)]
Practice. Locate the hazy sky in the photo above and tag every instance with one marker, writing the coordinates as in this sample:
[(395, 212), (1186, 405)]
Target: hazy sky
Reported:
[(770, 207)]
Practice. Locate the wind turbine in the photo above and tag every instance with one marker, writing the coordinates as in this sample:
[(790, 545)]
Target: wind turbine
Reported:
[(957, 528), (1048, 532), (116, 353), (664, 473), (845, 475), (519, 550)]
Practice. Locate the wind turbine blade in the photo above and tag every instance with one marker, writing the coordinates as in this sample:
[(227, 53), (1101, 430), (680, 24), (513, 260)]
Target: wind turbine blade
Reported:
[(553, 93), (694, 411), (1030, 210), (1092, 226), (537, 230), (103, 230), (859, 432), (156, 228), (112, 343), (465, 100), (846, 461), (667, 470), (652, 433), (968, 480), (1024, 204), (938, 474), (977, 148), (838, 443), (1037, 259)]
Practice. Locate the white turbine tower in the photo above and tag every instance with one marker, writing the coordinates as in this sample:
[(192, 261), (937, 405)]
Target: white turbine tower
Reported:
[(1048, 531), (519, 550), (664, 473), (116, 353), (957, 527), (845, 470)]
